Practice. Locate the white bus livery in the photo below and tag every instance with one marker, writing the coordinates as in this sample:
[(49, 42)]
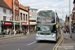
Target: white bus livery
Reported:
[(47, 27)]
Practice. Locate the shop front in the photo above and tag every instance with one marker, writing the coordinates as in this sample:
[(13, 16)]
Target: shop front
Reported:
[(7, 24), (32, 28), (24, 26), (17, 26)]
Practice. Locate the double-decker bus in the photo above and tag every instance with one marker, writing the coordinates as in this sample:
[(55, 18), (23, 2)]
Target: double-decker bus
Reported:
[(47, 27)]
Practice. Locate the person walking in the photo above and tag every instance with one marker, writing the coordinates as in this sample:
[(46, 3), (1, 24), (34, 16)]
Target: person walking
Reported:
[(19, 31), (10, 31), (25, 31), (7, 31)]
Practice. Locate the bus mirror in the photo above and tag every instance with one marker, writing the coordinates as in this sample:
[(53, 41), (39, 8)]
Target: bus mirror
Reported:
[(57, 26), (35, 27)]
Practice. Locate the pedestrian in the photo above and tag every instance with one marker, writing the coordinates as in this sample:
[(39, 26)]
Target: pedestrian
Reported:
[(7, 31), (10, 31), (15, 31), (19, 31), (25, 31), (3, 33), (66, 30)]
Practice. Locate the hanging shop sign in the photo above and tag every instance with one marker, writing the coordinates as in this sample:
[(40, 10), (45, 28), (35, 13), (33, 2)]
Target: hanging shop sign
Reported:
[(8, 23)]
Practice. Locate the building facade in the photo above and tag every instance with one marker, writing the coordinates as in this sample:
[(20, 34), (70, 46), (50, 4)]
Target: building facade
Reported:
[(73, 18), (5, 16), (14, 5), (32, 18), (24, 18), (67, 22)]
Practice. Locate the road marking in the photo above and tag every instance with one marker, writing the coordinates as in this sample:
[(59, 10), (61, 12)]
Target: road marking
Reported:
[(18, 49), (58, 43), (31, 43)]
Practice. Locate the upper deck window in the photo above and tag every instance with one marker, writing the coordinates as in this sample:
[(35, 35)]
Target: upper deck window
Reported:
[(47, 16)]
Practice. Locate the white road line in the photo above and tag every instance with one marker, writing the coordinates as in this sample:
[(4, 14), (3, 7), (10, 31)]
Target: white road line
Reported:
[(31, 43), (18, 49)]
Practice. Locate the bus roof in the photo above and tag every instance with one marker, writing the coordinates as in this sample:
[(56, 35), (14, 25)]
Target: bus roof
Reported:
[(45, 9)]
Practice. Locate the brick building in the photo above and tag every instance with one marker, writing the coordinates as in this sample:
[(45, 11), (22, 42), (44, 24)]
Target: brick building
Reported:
[(73, 18), (67, 19), (67, 22), (14, 5)]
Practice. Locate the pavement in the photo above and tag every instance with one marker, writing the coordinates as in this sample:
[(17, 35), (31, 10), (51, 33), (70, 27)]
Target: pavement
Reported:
[(68, 43), (12, 36)]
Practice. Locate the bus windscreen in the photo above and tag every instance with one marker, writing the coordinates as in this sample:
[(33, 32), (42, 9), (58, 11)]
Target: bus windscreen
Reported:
[(47, 16)]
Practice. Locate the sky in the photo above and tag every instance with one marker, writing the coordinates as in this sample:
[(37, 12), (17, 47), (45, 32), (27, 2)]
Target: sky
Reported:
[(61, 6)]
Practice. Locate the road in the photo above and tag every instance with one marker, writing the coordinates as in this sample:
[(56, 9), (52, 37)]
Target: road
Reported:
[(25, 43)]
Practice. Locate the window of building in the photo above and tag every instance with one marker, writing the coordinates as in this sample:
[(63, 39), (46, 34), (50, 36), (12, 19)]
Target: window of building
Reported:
[(10, 12), (16, 7), (31, 10), (26, 17), (4, 18), (34, 16), (20, 16), (4, 10)]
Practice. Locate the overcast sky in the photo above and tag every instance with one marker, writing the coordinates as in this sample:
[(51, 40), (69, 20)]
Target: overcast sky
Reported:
[(58, 5)]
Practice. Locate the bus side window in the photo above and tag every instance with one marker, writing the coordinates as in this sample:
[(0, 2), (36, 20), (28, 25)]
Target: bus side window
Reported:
[(54, 28)]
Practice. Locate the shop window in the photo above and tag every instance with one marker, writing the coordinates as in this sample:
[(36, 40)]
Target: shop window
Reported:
[(4, 18), (4, 10)]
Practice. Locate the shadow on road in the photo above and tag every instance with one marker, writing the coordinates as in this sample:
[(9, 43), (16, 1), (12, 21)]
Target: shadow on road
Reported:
[(43, 41)]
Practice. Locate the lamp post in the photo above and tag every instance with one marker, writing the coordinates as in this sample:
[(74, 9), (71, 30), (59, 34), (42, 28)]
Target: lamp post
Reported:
[(70, 20), (14, 16), (3, 27)]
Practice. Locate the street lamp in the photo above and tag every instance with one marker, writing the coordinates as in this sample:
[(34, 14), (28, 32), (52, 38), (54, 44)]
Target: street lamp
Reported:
[(3, 27), (70, 20), (14, 15)]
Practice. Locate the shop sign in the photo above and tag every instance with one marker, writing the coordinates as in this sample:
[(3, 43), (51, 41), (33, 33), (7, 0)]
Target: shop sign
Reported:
[(8, 23), (24, 23), (16, 23)]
